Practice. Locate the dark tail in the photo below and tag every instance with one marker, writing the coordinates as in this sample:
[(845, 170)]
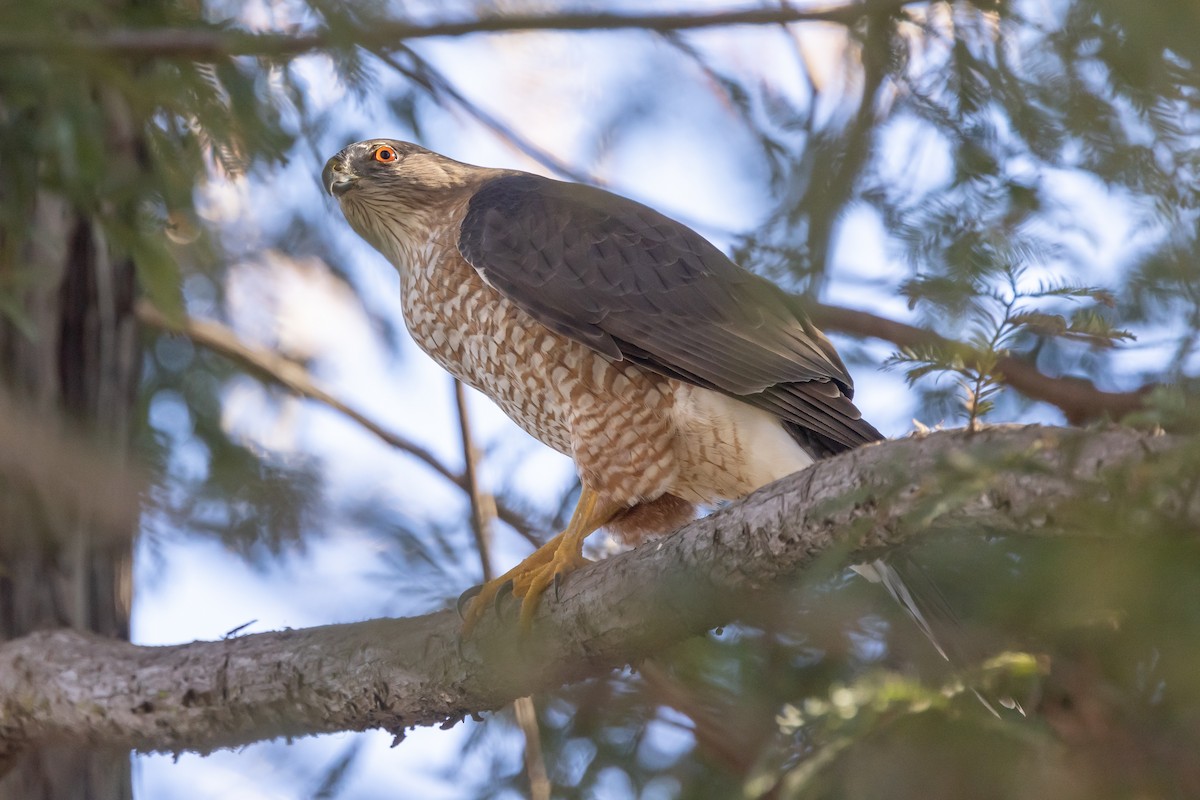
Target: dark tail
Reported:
[(820, 446)]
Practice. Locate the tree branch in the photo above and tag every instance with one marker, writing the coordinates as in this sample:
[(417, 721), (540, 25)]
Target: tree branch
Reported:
[(398, 673), (1078, 398), (384, 35)]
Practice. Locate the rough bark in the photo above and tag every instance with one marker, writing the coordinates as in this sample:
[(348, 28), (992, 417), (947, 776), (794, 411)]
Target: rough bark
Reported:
[(69, 686)]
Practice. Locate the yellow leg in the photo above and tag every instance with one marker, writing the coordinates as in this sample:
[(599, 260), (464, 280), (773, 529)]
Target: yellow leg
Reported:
[(560, 555)]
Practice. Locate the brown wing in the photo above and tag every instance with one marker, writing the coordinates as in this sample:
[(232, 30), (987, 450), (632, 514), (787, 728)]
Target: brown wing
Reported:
[(636, 285)]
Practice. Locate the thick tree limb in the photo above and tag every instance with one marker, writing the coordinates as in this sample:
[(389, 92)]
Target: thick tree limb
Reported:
[(383, 35), (1078, 398), (397, 673)]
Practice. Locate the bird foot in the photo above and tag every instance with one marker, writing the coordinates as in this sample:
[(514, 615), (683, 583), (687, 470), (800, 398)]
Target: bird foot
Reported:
[(535, 582), (528, 581), (545, 566)]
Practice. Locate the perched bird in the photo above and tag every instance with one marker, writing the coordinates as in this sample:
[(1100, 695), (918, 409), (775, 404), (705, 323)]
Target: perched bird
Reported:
[(670, 375)]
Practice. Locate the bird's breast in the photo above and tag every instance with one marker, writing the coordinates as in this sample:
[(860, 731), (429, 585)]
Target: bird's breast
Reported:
[(487, 342)]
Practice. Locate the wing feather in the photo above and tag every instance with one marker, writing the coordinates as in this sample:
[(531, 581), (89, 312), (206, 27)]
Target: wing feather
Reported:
[(636, 285)]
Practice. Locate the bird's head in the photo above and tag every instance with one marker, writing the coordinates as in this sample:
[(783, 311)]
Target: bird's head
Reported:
[(386, 188)]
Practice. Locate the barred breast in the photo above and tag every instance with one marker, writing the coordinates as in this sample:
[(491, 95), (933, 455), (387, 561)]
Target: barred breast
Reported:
[(613, 419)]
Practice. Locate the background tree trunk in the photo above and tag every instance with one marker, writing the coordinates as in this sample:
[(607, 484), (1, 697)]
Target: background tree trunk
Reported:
[(70, 350)]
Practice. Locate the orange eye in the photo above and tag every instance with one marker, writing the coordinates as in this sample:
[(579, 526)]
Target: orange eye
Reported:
[(386, 154)]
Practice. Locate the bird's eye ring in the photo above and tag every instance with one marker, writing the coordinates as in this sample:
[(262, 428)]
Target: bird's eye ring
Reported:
[(386, 155)]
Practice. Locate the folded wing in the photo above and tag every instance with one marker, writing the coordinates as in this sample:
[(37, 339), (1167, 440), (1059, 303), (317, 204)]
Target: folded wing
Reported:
[(636, 285)]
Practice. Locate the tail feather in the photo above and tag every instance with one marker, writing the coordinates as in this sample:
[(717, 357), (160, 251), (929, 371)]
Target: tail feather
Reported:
[(821, 446)]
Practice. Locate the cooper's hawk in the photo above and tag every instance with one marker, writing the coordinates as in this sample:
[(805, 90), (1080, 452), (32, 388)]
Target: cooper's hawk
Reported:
[(670, 375)]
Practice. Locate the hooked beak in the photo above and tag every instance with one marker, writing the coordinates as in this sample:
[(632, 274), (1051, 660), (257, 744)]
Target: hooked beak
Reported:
[(336, 177)]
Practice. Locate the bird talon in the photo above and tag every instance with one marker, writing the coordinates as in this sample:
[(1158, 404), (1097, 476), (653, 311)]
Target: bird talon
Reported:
[(465, 598), (546, 566), (506, 590)]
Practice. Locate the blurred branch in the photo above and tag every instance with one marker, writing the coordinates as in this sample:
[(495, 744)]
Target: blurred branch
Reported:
[(837, 170), (441, 88), (68, 686), (385, 35), (426, 75), (535, 764), (482, 506), (66, 472), (278, 369), (711, 726), (1078, 398)]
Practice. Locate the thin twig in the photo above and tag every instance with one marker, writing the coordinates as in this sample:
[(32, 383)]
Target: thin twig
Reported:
[(481, 508), (433, 81), (274, 367), (481, 504), (1078, 398), (384, 35), (535, 764), (428, 77)]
